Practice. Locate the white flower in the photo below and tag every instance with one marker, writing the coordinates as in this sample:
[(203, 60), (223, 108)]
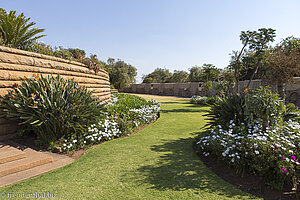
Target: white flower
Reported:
[(256, 152)]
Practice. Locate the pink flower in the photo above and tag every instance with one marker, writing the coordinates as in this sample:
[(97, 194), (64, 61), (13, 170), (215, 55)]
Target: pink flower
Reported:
[(284, 170), (294, 157)]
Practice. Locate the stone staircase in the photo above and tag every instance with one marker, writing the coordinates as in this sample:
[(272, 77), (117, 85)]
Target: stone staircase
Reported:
[(8, 129), (20, 162)]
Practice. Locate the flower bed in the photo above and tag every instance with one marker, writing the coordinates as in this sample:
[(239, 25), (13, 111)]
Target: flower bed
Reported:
[(264, 142), (63, 115), (203, 100), (123, 115)]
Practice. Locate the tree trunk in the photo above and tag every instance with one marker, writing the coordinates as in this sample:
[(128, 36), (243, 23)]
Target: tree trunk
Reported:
[(281, 90), (265, 123)]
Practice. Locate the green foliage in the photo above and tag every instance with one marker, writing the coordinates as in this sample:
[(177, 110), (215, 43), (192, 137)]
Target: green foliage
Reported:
[(253, 58), (207, 85), (210, 72), (39, 47), (123, 115), (264, 104), (195, 74), (256, 132), (199, 100), (223, 87), (229, 108), (16, 30), (159, 75), (179, 77), (51, 107), (207, 72), (121, 74)]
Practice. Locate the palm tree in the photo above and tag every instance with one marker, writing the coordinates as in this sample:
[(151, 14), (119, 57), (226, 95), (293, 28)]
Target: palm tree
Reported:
[(16, 30)]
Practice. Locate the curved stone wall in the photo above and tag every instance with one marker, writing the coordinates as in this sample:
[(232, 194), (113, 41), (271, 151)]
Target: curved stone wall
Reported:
[(15, 64)]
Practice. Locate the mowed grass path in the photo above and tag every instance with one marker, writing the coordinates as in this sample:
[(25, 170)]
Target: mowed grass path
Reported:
[(156, 163)]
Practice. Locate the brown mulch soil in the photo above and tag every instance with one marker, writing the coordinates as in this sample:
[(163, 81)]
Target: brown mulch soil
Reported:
[(246, 182)]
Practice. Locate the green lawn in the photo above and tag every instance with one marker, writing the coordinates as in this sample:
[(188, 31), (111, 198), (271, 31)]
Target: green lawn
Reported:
[(156, 163)]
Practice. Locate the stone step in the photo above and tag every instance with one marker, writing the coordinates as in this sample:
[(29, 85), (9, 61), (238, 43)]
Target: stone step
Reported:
[(58, 161), (32, 159), (7, 136), (8, 154)]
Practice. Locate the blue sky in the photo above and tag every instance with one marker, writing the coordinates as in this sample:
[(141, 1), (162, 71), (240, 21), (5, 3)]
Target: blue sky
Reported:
[(175, 34)]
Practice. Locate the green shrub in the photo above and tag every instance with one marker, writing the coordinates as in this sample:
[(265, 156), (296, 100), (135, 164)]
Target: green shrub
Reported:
[(256, 132), (52, 107), (199, 100), (229, 108), (124, 114), (264, 104)]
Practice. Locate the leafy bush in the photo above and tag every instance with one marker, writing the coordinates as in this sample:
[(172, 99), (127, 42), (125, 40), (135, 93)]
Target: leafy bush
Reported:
[(124, 114), (199, 100), (51, 107), (238, 134), (229, 108)]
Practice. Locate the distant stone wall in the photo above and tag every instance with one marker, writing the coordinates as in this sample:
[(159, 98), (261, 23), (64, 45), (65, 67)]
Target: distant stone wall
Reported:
[(196, 88), (169, 89), (15, 64)]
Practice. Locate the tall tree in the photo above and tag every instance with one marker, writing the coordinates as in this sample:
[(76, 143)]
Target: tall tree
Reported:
[(210, 72), (284, 63), (16, 30), (259, 43), (159, 75), (255, 43), (179, 77), (121, 74), (195, 74)]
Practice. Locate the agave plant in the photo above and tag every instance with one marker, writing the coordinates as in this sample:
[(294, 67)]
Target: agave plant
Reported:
[(16, 30)]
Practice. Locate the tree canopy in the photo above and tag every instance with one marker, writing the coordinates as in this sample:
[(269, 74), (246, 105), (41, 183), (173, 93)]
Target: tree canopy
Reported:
[(16, 30)]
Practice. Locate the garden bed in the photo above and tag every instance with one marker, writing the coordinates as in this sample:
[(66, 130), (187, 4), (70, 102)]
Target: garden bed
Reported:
[(255, 133), (246, 182)]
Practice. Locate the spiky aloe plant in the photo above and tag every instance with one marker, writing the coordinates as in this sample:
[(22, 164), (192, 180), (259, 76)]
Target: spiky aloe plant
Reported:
[(52, 107), (16, 30)]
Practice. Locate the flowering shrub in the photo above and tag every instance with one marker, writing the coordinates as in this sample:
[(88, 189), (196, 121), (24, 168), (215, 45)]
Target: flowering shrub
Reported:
[(51, 107), (123, 115), (199, 100), (271, 151)]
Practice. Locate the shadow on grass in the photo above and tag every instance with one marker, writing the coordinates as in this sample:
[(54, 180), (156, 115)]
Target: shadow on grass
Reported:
[(184, 110), (172, 102), (178, 168)]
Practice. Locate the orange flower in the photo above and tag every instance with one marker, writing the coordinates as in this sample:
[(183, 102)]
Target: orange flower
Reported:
[(246, 90), (69, 79), (61, 86), (34, 74), (37, 78), (35, 103), (74, 90), (54, 77), (32, 95), (45, 89), (74, 104), (38, 74), (25, 78), (13, 96)]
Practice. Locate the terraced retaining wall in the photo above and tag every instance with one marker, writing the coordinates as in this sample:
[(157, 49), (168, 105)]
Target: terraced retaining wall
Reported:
[(15, 64)]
